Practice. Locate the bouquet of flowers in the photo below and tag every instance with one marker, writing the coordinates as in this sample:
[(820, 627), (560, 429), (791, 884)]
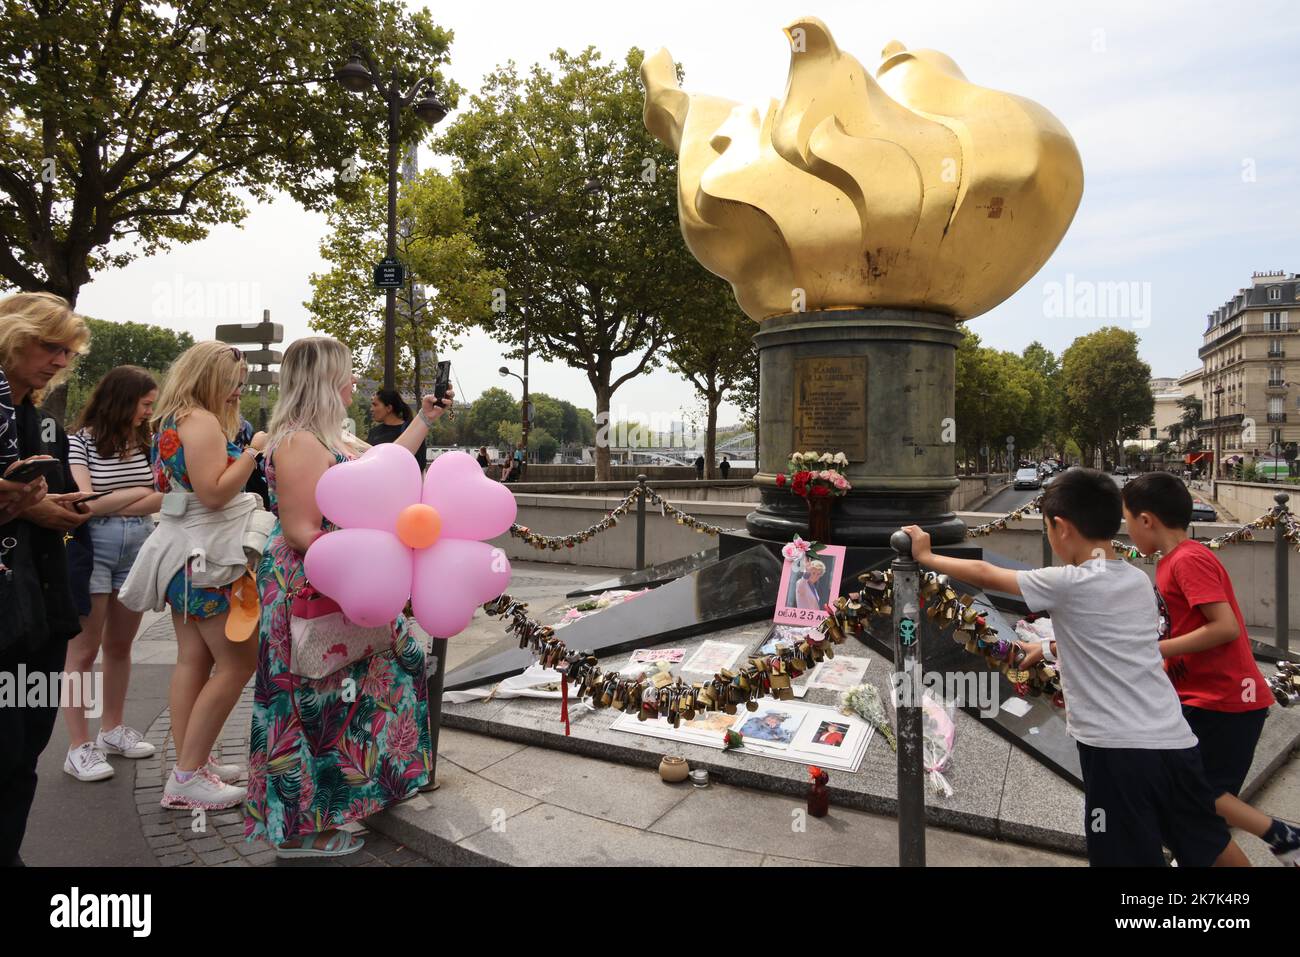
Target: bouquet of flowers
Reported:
[(815, 474)]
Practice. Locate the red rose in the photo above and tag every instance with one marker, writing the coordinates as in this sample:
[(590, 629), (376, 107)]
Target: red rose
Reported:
[(821, 490), (780, 480)]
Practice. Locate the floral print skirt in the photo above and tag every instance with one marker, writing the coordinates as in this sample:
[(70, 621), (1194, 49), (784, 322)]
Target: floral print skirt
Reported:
[(323, 753)]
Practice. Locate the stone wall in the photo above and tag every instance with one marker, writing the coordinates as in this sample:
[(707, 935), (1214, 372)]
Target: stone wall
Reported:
[(1246, 501), (1250, 564)]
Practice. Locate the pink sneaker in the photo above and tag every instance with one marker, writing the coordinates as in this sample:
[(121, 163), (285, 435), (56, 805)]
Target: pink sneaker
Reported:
[(203, 790)]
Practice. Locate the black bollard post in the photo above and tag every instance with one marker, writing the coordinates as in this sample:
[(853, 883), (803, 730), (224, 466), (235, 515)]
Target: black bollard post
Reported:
[(1281, 595), (640, 522), (439, 652), (907, 681)]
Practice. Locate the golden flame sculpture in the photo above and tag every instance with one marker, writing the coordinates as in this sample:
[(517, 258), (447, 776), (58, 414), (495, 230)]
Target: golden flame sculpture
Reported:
[(916, 189)]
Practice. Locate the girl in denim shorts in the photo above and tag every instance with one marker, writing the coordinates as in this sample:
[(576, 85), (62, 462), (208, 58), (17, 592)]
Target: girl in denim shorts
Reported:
[(109, 453)]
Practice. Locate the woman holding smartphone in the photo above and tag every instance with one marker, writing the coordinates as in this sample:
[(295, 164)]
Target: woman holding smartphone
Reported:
[(109, 454), (195, 422), (305, 731), (40, 336)]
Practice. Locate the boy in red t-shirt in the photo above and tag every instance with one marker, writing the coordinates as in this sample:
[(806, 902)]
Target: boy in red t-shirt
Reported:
[(1207, 652)]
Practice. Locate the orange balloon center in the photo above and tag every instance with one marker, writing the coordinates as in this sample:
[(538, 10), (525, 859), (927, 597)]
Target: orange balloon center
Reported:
[(418, 526)]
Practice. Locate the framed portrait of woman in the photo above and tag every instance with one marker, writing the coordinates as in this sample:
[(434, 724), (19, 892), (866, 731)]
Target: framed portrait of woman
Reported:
[(809, 580)]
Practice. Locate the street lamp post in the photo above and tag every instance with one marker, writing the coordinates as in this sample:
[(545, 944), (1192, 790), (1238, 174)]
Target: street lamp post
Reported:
[(526, 418), (359, 75), (1218, 442)]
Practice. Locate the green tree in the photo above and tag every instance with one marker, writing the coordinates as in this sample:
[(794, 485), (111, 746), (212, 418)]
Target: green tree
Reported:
[(576, 206), (995, 392), (442, 260), (114, 344), (1107, 393), (712, 347), (129, 127), (1042, 361), (494, 405)]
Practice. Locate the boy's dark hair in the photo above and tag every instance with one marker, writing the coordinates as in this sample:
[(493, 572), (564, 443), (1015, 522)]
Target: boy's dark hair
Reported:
[(1089, 500), (1163, 495)]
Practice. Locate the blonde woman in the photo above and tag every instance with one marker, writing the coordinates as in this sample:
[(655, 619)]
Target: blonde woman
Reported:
[(805, 592), (195, 421), (40, 336), (356, 741)]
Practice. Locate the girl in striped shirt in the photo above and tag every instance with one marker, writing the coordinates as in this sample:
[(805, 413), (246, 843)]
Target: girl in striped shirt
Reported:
[(109, 453)]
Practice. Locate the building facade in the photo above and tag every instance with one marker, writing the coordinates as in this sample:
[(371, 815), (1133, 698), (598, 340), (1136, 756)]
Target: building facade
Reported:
[(1250, 357)]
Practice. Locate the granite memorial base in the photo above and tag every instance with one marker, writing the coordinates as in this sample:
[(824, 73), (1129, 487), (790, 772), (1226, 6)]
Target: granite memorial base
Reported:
[(999, 790)]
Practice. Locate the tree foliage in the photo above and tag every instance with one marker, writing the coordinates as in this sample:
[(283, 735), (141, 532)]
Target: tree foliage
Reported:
[(1107, 392), (712, 347), (441, 258), (575, 204), (131, 126)]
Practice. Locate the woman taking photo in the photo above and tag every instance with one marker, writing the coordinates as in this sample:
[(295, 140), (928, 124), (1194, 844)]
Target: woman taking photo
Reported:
[(109, 452), (40, 335), (321, 732), (195, 421), (391, 415)]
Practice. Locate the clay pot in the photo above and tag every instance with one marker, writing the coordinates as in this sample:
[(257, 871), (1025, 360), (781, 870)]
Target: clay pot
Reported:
[(673, 770)]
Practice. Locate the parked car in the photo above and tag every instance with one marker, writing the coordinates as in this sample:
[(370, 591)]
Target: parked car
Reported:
[(1203, 512), (1027, 478)]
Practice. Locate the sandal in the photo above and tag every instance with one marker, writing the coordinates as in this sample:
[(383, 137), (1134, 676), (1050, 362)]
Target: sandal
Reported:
[(340, 844)]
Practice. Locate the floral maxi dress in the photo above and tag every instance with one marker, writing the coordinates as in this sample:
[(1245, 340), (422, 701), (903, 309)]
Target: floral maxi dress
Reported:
[(323, 753)]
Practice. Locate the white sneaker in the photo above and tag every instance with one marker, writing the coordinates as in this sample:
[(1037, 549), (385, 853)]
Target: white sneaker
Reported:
[(203, 790), (87, 763), (128, 742), (227, 773)]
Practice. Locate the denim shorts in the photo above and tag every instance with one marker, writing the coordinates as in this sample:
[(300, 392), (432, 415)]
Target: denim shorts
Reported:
[(117, 540)]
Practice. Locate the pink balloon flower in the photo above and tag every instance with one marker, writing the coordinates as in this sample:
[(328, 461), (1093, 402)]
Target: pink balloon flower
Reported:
[(397, 540)]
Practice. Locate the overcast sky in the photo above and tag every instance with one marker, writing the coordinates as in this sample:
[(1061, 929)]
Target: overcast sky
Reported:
[(1186, 115)]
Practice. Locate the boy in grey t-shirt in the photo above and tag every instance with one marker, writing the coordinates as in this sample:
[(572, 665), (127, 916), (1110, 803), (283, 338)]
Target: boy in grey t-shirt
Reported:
[(1143, 782)]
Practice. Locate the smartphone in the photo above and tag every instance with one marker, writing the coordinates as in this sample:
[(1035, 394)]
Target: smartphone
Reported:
[(92, 496), (442, 380), (29, 470)]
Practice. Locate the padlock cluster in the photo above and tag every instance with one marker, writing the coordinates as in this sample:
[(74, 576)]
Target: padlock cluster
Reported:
[(947, 609), (659, 694), (1285, 684)]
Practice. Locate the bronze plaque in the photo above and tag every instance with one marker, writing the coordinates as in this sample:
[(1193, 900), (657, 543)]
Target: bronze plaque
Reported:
[(830, 405)]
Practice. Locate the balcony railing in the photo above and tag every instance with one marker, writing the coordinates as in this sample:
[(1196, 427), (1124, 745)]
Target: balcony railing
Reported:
[(1277, 416), (1276, 353)]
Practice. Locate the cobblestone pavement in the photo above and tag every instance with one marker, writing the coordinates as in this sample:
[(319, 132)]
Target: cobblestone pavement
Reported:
[(216, 838)]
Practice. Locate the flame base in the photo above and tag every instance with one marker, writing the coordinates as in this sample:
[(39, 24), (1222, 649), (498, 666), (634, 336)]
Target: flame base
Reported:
[(903, 470)]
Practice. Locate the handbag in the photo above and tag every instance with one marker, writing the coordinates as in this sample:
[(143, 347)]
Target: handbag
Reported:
[(322, 640)]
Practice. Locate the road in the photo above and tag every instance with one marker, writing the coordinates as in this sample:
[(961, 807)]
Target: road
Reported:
[(1009, 499)]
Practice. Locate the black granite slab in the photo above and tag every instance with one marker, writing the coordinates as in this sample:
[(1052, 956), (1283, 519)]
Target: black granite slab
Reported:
[(726, 592), (652, 576), (1040, 731)]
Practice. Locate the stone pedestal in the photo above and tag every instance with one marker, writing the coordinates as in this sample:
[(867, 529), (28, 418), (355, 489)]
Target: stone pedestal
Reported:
[(877, 384)]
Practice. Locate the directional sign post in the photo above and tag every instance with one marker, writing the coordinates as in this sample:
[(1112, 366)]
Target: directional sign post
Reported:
[(265, 334)]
